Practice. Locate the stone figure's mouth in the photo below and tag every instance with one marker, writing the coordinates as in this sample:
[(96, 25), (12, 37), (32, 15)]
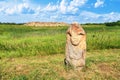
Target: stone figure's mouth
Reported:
[(75, 41)]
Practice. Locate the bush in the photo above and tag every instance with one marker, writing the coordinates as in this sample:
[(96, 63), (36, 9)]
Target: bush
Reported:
[(113, 23)]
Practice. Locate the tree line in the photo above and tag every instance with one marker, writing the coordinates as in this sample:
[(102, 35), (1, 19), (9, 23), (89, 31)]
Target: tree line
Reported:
[(117, 23), (4, 23), (113, 23)]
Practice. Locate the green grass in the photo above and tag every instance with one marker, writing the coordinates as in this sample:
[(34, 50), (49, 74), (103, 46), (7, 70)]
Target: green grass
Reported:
[(24, 41), (19, 40), (37, 53), (102, 37)]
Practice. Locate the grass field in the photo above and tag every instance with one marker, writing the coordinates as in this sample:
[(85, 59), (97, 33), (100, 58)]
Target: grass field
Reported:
[(37, 53)]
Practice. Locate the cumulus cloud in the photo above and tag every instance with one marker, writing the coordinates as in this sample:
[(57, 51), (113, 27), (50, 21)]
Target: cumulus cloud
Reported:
[(51, 7), (112, 16), (63, 6), (24, 7), (94, 17), (21, 8), (88, 14), (63, 11), (99, 3), (71, 6), (77, 3), (16, 9), (1, 9)]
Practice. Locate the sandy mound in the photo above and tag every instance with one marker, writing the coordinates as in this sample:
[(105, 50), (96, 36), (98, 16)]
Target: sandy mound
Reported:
[(46, 24)]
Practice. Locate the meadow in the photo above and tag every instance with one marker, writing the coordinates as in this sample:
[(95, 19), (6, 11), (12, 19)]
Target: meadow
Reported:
[(37, 53)]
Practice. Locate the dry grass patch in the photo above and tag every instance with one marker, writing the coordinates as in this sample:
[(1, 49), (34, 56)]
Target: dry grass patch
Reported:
[(52, 67)]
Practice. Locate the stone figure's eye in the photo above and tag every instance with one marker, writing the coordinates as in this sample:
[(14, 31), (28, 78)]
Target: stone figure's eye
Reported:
[(80, 34), (69, 34)]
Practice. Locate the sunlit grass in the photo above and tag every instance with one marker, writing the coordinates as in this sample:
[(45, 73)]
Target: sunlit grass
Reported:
[(100, 64), (19, 40), (37, 53)]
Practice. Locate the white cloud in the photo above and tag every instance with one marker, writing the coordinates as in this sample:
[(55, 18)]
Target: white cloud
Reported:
[(10, 11), (1, 9), (37, 11), (111, 16), (51, 7), (63, 6), (21, 8), (77, 3), (88, 14), (16, 9), (71, 6), (94, 17), (63, 11), (99, 3)]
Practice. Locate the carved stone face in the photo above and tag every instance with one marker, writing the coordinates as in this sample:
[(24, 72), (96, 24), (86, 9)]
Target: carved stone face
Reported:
[(76, 35), (75, 46)]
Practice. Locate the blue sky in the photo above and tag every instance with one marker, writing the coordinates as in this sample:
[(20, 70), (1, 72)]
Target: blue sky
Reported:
[(82, 11)]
